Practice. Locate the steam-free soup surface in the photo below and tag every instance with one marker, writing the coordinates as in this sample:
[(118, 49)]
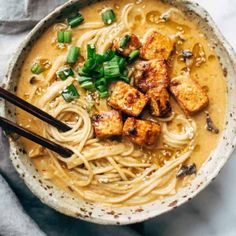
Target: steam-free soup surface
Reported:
[(111, 170)]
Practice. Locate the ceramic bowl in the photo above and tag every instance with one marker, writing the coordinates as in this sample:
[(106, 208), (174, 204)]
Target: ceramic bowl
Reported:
[(67, 204)]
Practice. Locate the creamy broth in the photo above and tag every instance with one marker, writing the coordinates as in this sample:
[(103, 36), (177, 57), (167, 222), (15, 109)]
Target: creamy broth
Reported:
[(209, 75)]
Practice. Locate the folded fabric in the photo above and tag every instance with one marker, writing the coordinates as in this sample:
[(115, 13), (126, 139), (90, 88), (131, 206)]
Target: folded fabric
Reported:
[(14, 221), (16, 16)]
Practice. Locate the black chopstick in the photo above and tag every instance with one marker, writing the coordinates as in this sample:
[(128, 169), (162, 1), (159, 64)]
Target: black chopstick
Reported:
[(12, 98), (10, 126)]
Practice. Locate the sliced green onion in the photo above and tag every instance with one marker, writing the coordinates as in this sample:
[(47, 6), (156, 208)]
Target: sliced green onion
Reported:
[(124, 41), (108, 17), (65, 73), (98, 72), (60, 36), (102, 88), (88, 85), (36, 68), (68, 72), (90, 103), (122, 63), (133, 55), (81, 72), (75, 20), (111, 70), (89, 65), (104, 94), (70, 93), (100, 82), (73, 55), (125, 79), (82, 79), (99, 59), (108, 55), (67, 36), (64, 36), (61, 75), (91, 51), (125, 72)]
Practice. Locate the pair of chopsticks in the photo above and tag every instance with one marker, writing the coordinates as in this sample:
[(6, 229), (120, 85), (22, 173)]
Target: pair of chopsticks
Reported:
[(10, 126)]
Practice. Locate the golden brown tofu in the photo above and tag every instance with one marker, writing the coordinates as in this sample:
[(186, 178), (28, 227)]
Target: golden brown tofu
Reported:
[(157, 46), (141, 132), (108, 123), (127, 99), (189, 94), (133, 44), (159, 101), (150, 74)]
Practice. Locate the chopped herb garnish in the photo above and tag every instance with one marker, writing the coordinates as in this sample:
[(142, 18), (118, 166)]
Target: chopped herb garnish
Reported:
[(108, 55), (124, 41), (102, 88), (125, 79), (73, 55), (122, 63), (80, 72), (108, 16), (64, 36), (104, 94), (67, 36), (133, 55), (60, 37), (100, 70), (89, 65), (111, 70), (36, 68), (88, 85), (65, 73), (125, 73), (100, 82), (99, 59), (91, 51), (76, 20), (82, 79), (70, 93)]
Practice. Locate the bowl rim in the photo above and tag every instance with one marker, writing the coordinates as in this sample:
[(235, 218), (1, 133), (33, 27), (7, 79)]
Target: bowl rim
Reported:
[(139, 217)]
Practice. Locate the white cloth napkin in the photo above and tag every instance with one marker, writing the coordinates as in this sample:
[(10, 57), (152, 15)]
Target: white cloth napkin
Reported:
[(14, 221), (19, 15)]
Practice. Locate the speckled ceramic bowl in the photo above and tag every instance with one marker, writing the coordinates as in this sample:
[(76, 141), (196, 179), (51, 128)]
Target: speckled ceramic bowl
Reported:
[(65, 203)]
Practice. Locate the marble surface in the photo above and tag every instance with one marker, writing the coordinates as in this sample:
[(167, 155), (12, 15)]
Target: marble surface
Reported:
[(213, 211)]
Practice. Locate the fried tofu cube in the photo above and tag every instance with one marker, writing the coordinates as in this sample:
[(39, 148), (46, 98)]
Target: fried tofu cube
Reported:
[(141, 132), (127, 99), (157, 46), (189, 94), (159, 101), (150, 74), (132, 44), (107, 123)]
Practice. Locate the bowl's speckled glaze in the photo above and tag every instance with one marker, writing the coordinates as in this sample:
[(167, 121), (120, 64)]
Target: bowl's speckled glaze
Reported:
[(67, 204)]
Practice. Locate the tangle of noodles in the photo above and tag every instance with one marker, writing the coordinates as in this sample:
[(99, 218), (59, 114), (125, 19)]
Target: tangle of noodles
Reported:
[(108, 171)]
